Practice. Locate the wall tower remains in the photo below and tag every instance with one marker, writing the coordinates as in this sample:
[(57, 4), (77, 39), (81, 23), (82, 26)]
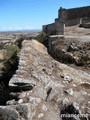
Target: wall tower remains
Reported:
[(68, 17)]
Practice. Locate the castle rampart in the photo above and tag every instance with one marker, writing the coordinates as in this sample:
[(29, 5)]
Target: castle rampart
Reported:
[(78, 12), (50, 28), (68, 17)]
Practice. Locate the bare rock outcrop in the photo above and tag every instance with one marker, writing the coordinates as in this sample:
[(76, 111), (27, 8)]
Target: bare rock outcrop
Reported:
[(46, 89)]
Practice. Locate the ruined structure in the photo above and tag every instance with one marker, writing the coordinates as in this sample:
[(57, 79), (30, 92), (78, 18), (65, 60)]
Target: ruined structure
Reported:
[(49, 90), (68, 17)]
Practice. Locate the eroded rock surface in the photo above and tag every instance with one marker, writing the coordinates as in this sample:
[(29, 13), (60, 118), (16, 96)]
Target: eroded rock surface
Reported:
[(46, 89)]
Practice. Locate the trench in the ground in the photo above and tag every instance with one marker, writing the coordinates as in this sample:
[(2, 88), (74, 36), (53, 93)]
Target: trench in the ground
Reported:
[(80, 61), (4, 80), (58, 54), (7, 74)]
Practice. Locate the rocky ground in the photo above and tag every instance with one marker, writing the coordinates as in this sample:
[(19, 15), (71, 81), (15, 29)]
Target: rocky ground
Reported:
[(72, 50), (44, 89)]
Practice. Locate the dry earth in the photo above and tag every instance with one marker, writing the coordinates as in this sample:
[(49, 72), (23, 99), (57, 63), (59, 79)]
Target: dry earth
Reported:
[(77, 31), (73, 48)]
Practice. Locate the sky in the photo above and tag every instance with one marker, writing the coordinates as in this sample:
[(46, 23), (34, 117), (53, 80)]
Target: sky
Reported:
[(32, 14)]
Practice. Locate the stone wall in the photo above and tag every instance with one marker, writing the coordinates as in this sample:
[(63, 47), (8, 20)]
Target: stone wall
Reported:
[(86, 20), (78, 12), (59, 26), (57, 89), (72, 22), (68, 17), (50, 28)]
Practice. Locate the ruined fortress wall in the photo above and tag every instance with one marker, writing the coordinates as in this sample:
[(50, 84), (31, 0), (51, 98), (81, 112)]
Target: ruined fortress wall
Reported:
[(68, 17), (77, 21), (75, 16), (72, 22), (78, 12), (50, 28), (62, 14), (86, 20), (59, 27)]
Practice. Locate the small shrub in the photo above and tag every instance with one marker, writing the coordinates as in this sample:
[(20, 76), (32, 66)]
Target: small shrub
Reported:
[(10, 63), (11, 58), (11, 50), (41, 37)]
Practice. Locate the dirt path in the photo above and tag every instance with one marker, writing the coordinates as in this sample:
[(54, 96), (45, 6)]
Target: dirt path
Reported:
[(76, 30)]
